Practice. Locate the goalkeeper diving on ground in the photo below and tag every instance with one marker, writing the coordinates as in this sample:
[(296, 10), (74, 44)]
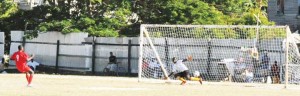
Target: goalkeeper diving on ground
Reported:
[(181, 72)]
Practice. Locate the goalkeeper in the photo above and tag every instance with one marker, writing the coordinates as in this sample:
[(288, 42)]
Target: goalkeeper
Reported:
[(183, 71)]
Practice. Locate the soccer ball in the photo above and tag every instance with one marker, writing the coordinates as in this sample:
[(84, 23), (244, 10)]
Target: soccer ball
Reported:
[(196, 74)]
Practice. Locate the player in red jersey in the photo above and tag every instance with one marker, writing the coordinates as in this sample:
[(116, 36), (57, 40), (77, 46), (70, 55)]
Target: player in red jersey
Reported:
[(21, 58)]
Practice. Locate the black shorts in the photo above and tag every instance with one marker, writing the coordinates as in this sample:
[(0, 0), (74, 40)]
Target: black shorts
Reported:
[(31, 68), (184, 74)]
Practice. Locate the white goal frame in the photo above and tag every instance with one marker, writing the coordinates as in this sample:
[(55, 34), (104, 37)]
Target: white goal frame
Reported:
[(144, 34)]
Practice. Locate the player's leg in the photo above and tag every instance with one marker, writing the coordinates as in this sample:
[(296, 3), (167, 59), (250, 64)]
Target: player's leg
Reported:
[(200, 80), (31, 67), (183, 80), (184, 75), (31, 72), (179, 76), (187, 76), (276, 79), (27, 76), (195, 79)]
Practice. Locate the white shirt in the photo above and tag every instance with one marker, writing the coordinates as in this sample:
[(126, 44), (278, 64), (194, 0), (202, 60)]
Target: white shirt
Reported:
[(33, 64), (154, 64), (179, 67)]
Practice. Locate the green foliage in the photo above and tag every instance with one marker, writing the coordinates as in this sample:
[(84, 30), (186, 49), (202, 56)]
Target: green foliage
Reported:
[(157, 34), (107, 33), (102, 32), (64, 26), (85, 22), (224, 34), (7, 8), (244, 33), (228, 33), (108, 18), (241, 12), (276, 33), (116, 19), (30, 34), (97, 17), (190, 12)]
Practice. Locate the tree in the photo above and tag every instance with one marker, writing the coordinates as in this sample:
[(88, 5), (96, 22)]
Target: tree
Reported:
[(8, 7), (97, 17), (191, 12), (241, 12), (110, 18)]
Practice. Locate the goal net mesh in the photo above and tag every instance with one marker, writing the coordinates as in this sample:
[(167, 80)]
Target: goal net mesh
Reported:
[(220, 53)]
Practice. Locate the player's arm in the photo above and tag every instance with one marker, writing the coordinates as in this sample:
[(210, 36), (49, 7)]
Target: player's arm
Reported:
[(13, 57), (32, 56), (173, 71), (115, 60), (169, 75)]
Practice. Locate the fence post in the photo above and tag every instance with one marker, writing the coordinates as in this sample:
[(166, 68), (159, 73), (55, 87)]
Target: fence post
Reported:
[(209, 59), (167, 52), (57, 55), (129, 57), (281, 64), (93, 56), (23, 41)]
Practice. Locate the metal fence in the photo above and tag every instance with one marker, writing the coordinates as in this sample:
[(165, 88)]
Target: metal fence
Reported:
[(66, 60)]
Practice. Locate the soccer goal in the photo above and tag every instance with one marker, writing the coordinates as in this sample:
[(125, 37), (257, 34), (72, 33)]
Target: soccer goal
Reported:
[(232, 53)]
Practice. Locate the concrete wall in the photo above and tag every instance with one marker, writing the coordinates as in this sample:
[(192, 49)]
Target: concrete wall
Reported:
[(15, 36), (121, 52), (78, 55), (2, 41), (290, 17), (46, 53)]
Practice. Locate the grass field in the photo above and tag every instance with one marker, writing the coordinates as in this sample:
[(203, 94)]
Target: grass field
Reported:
[(70, 85)]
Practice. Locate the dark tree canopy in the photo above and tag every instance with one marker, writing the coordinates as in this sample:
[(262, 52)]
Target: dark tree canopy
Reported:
[(111, 18)]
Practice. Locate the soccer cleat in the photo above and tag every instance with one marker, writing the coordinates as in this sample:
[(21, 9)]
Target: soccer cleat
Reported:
[(200, 81), (29, 85), (183, 82)]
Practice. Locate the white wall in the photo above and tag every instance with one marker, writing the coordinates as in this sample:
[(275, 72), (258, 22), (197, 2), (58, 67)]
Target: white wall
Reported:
[(121, 52), (46, 53), (2, 40)]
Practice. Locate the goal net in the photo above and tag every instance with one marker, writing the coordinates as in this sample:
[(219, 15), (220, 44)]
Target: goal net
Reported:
[(220, 52)]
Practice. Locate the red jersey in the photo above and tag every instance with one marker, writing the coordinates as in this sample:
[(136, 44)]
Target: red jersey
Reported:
[(20, 58)]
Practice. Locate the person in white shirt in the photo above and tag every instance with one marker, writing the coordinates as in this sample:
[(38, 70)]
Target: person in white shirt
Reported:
[(154, 68), (182, 72), (248, 75), (32, 64), (4, 64)]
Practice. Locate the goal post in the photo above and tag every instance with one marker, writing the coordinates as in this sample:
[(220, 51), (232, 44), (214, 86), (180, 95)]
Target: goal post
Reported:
[(233, 53), (287, 56), (156, 54)]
